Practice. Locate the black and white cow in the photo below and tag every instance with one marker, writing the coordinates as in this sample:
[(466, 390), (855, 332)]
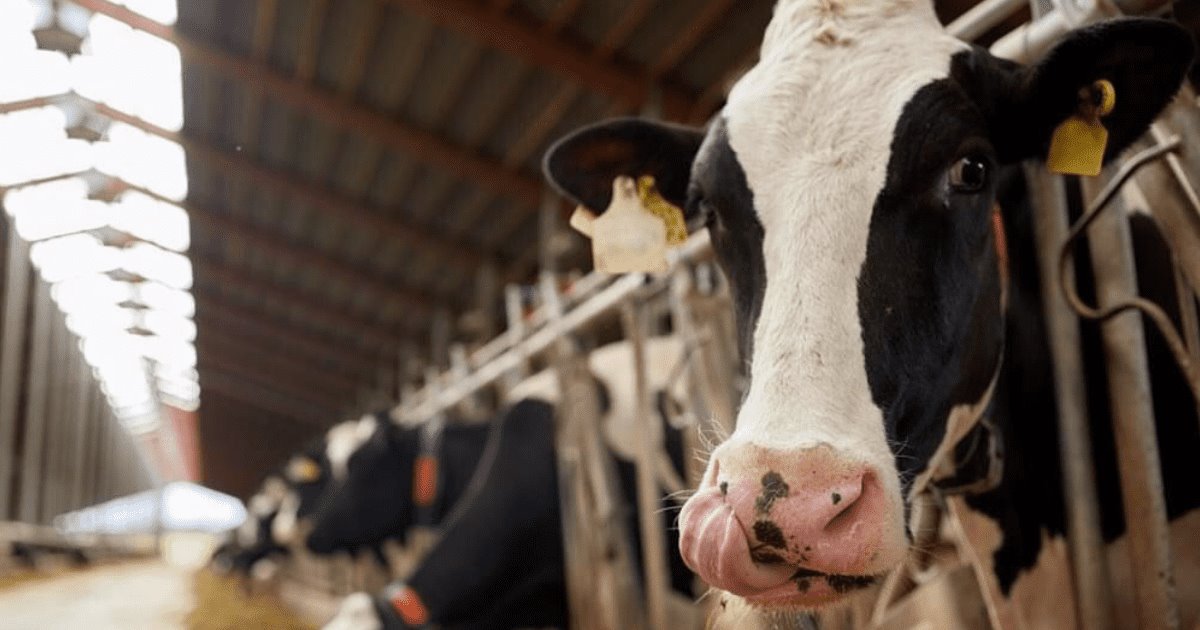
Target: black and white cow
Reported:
[(389, 479), (849, 187), (294, 484), (499, 561)]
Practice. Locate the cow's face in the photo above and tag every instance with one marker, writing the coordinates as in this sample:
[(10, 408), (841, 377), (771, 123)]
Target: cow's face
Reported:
[(373, 500), (849, 187)]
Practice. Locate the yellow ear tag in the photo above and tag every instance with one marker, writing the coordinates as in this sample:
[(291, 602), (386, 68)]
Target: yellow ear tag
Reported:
[(1077, 146), (303, 470), (628, 237), (670, 214)]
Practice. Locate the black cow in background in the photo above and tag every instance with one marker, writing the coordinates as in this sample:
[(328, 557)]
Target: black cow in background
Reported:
[(288, 494), (499, 562), (386, 491)]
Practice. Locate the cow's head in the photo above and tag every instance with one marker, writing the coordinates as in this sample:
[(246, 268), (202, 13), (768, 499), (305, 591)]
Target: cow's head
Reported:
[(849, 187), (373, 497), (308, 475)]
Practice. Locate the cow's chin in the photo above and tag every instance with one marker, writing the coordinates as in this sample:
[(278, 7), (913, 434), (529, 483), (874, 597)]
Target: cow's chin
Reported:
[(810, 591)]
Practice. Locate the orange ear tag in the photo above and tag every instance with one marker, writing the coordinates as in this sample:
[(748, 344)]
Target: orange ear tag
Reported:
[(409, 606), (425, 480), (1078, 144)]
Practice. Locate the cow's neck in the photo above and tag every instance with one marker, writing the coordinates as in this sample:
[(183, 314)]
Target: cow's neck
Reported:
[(1029, 498)]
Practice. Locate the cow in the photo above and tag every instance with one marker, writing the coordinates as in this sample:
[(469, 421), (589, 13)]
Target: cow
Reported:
[(286, 496), (387, 484), (499, 561), (859, 187)]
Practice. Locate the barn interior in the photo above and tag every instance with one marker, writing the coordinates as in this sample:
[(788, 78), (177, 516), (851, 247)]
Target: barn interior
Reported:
[(233, 225)]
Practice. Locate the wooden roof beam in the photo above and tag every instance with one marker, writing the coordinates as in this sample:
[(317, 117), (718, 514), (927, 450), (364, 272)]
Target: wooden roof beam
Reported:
[(314, 308), (690, 35), (337, 111), (560, 55), (275, 368), (286, 184), (322, 350), (268, 400), (285, 358), (258, 372), (288, 253)]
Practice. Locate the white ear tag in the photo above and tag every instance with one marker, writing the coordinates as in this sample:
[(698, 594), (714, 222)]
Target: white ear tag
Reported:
[(582, 220), (628, 237)]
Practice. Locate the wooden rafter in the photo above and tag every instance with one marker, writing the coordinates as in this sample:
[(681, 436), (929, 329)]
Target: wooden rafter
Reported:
[(712, 97), (284, 183), (310, 40), (690, 35), (293, 300), (319, 348), (263, 398), (286, 252), (335, 110), (288, 358), (562, 56), (213, 343), (360, 55), (554, 111)]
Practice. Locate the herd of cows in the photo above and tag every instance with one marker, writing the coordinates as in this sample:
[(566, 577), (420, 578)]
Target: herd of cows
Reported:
[(864, 195), (491, 489)]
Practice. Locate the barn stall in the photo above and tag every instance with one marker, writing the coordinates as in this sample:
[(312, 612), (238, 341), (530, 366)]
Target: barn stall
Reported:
[(367, 230)]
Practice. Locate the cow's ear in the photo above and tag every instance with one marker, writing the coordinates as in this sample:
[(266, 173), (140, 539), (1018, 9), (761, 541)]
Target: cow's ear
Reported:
[(1144, 59), (583, 165)]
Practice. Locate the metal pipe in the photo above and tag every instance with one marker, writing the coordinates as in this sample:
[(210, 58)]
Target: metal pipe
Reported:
[(1133, 416), (654, 558), (1093, 599), (35, 405), (583, 314), (13, 330), (982, 17)]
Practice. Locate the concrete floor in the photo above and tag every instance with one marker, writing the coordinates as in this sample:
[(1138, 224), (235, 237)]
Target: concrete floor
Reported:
[(149, 595)]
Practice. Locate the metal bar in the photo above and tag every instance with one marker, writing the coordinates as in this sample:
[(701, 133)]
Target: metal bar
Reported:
[(610, 297), (55, 397), (1093, 599), (1133, 416), (636, 323), (36, 393), (15, 302), (982, 17), (80, 422)]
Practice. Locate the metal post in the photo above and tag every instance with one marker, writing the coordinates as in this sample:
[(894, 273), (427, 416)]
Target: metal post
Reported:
[(13, 330), (654, 559), (1089, 567), (83, 432), (1133, 416), (35, 408)]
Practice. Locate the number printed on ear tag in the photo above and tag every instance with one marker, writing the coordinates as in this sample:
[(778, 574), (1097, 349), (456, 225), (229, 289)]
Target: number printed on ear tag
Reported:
[(628, 237), (670, 214), (1078, 144)]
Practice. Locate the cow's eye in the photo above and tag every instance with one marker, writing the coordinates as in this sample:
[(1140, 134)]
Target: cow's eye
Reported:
[(969, 175)]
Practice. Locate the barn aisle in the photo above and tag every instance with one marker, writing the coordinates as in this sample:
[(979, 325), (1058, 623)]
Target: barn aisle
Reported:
[(151, 595)]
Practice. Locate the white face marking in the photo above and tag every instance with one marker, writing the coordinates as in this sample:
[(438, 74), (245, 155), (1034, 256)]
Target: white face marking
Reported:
[(283, 527), (344, 439), (357, 612), (261, 505), (812, 126)]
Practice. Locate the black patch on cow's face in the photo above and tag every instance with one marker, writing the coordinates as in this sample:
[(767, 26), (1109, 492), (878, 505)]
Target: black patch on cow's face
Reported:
[(929, 288), (721, 196), (374, 502), (310, 491)]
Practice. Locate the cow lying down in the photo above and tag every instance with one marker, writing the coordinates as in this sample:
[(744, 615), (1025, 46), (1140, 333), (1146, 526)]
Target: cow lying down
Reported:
[(499, 560), (863, 192)]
